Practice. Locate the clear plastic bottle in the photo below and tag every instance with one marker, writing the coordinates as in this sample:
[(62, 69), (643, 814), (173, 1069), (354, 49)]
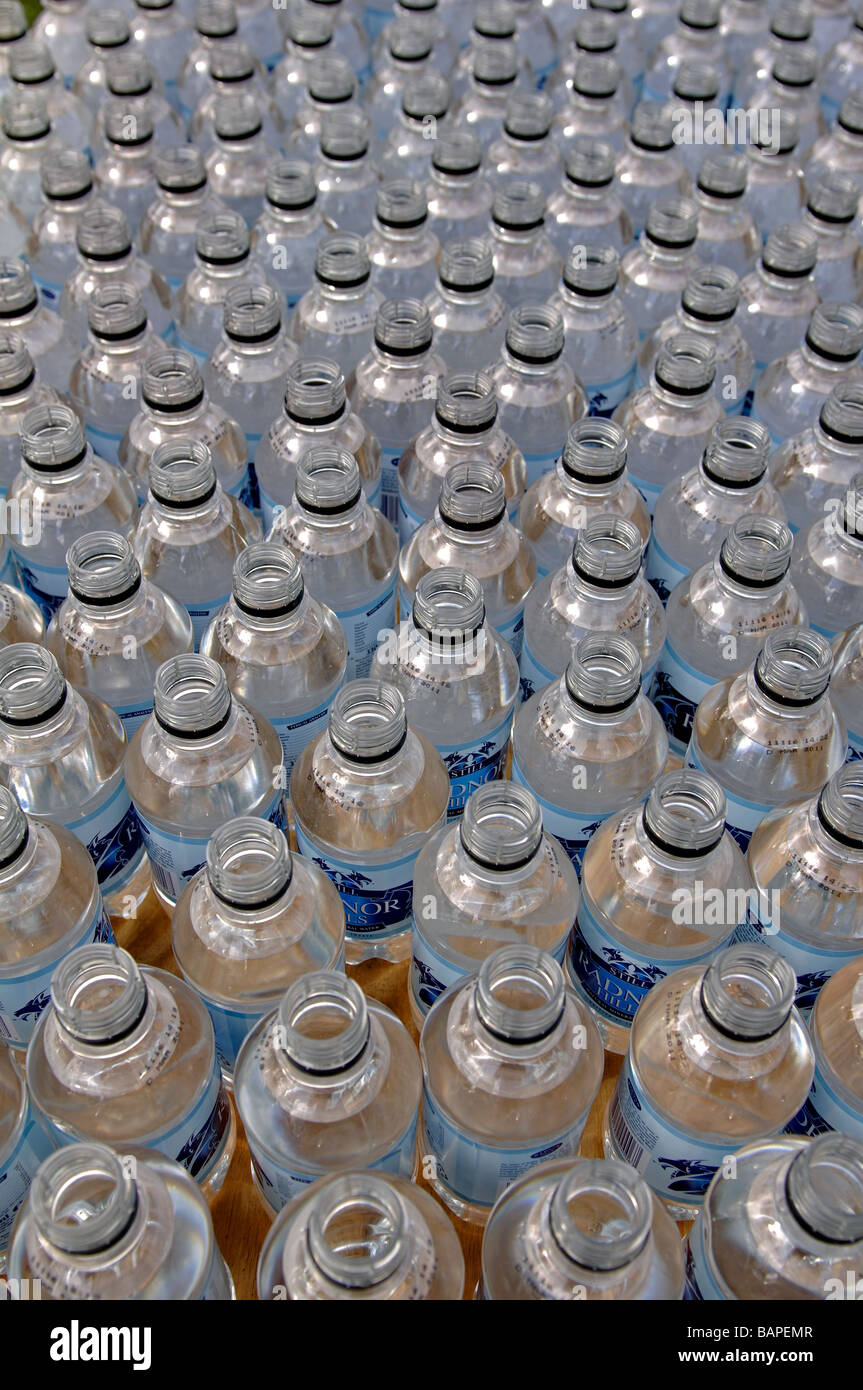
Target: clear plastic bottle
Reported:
[(32, 71), (459, 194), (27, 136), (498, 878), (233, 70), (308, 37), (601, 588), (719, 615), (772, 729), (835, 1101), (650, 166), (215, 22), (594, 32), (495, 76), (793, 87), (391, 385), (601, 339), (527, 266), (240, 157), (328, 1082), (345, 171), (21, 389), (463, 429), (775, 188), (252, 921), (222, 261), (61, 754), (790, 28), (107, 376), (595, 108), (258, 22), (806, 861), (830, 211), (694, 95), (99, 1225), (407, 152), (350, 40), (816, 465), (347, 548), (190, 531), (245, 371), (410, 1251), (403, 251), (316, 411), (846, 686), (168, 230), (840, 151), (13, 28), (695, 512), (50, 903), (586, 207), (696, 38), (588, 480), (586, 1230), (589, 742), (161, 30), (336, 317), (431, 16), (717, 1058), (779, 296), (670, 421), (744, 23), (283, 652), (655, 19), (792, 389), (471, 530), (114, 628), (286, 235), (458, 677), (525, 150), (630, 47), (108, 33), (727, 234), (828, 564), (67, 190), (538, 393), (62, 491), (785, 1226), (407, 56), (331, 87), (842, 69), (43, 333), (106, 256), (512, 1063), (133, 78), (468, 315), (126, 1055), (491, 24), (201, 759), (654, 272), (23, 1145)]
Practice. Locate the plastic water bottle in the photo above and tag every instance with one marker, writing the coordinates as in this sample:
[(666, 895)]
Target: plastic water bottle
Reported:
[(594, 32), (201, 759), (63, 491), (283, 652), (727, 234), (106, 378), (164, 1096), (525, 150), (403, 251), (514, 1018), (23, 1144), (467, 313), (21, 390), (391, 385), (695, 512), (586, 208), (67, 190), (458, 677), (491, 25), (790, 27), (830, 211), (108, 34), (336, 317), (835, 1101), (806, 1241), (13, 28), (601, 588), (286, 235), (842, 69), (828, 564), (739, 1077), (413, 1254), (463, 429), (495, 76), (775, 188), (32, 72), (106, 256), (539, 395), (252, 921), (471, 530), (744, 23), (845, 687), (588, 480), (655, 19), (779, 296), (347, 548), (793, 87), (168, 231), (240, 157), (78, 1248), (350, 40), (793, 388), (61, 753), (50, 903), (669, 422), (330, 87), (215, 23), (329, 1081), (719, 615), (109, 607), (245, 371), (772, 728), (650, 165), (695, 38), (595, 108), (190, 531), (345, 171), (308, 37), (432, 18), (459, 195), (806, 862), (840, 151), (259, 24), (537, 1245), (526, 264), (131, 77), (590, 742), (631, 45), (222, 261), (27, 136), (316, 411), (694, 91), (161, 30), (43, 333), (601, 339), (654, 273), (234, 71)]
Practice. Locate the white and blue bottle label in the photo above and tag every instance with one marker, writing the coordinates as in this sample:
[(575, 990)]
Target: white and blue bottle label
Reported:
[(471, 765), (573, 830), (534, 676), (855, 746), (540, 464), (24, 997), (231, 1027), (409, 520), (112, 836), (375, 17), (812, 966), (649, 491), (49, 291), (18, 1172), (298, 730), (362, 626), (202, 614), (661, 571), (512, 632), (605, 396), (824, 1110), (105, 443), (676, 691), (133, 715), (281, 1184), (742, 817), (175, 859), (479, 1173), (700, 1285), (389, 496), (197, 1142), (677, 1166), (46, 585), (377, 901)]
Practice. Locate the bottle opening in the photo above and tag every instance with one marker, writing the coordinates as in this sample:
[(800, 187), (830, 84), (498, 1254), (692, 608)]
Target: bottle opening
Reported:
[(401, 205), (315, 391), (324, 1025), (102, 234), (181, 475), (790, 253), (711, 295), (473, 497), (342, 261), (591, 271), (32, 686), (191, 697), (501, 828), (221, 238), (793, 667), (344, 135), (14, 828), (171, 382), (756, 552), (601, 1214), (251, 314), (607, 552), (448, 605), (519, 207), (604, 675), (290, 186), (672, 224), (535, 334), (466, 403), (83, 1200), (267, 581), (824, 1188), (403, 328), (684, 814), (99, 994), (17, 372), (841, 417), (736, 454), (358, 1231), (328, 481), (180, 169), (18, 296), (103, 570), (466, 267), (685, 365), (835, 332), (595, 451), (520, 995), (747, 992), (840, 806), (590, 164), (249, 864), (368, 722), (52, 439), (115, 313)]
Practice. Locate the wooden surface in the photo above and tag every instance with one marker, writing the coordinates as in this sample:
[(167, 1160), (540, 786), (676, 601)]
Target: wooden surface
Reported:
[(239, 1215)]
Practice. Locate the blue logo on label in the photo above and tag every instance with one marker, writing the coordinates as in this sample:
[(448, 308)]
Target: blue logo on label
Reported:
[(115, 849), (676, 711), (368, 909), (426, 985), (201, 1147), (687, 1174)]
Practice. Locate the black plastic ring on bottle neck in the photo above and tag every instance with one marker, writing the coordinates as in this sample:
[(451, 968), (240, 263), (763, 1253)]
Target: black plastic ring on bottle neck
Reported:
[(728, 1032), (726, 194), (338, 510), (132, 143), (346, 157), (745, 580), (518, 1042), (186, 187), (185, 504), (19, 849), (114, 1038), (462, 172), (107, 600), (475, 288), (830, 217), (20, 385), (408, 223), (518, 226), (333, 1071), (173, 407), (368, 760), (679, 390), (453, 639), (827, 354), (30, 721), (733, 484), (293, 207), (44, 466), (312, 420), (124, 335), (651, 149), (589, 291), (106, 257), (528, 138), (856, 440), (223, 260), (534, 359), (678, 851), (667, 244), (705, 316), (601, 582), (242, 135), (786, 273), (481, 427), (344, 284), (195, 734), (486, 524), (254, 337), (30, 138), (593, 708), (71, 197), (255, 611), (262, 903), (20, 309), (801, 1220), (849, 841), (391, 351), (592, 479), (787, 700)]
